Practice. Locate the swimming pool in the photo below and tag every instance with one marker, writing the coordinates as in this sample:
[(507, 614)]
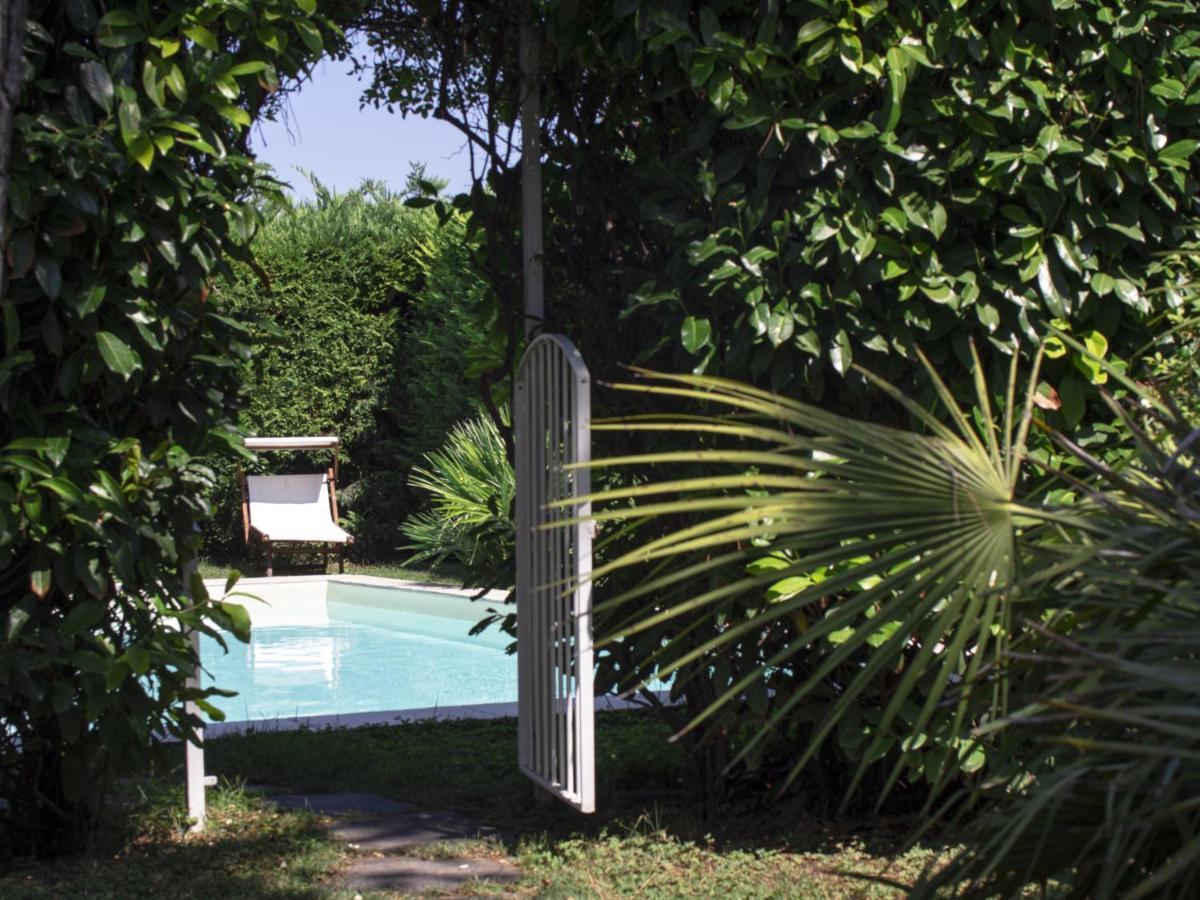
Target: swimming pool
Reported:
[(346, 645)]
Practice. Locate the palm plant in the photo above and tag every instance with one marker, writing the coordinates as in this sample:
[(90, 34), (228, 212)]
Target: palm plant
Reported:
[(468, 526), (1103, 790), (886, 553), (1060, 638)]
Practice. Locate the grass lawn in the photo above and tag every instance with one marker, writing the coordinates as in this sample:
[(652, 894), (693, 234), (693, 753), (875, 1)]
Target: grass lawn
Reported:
[(647, 840)]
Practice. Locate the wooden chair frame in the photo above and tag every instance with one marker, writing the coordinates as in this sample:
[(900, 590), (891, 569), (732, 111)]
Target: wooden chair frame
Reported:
[(249, 531)]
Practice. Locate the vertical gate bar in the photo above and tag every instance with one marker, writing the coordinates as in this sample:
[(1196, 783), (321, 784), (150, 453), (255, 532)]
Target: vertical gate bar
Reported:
[(551, 562), (538, 480), (522, 653), (552, 553), (582, 452), (569, 600), (525, 649), (547, 629), (548, 562), (568, 388), (534, 619), (564, 625)]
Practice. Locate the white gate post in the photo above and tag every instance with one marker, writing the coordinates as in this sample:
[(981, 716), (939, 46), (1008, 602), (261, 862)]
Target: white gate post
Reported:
[(193, 752)]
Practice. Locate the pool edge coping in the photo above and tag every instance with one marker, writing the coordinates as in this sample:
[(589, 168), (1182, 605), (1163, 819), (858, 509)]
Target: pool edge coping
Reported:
[(494, 596), (402, 716)]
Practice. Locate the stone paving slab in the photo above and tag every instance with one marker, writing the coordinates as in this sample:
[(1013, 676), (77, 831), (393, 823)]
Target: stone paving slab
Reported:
[(340, 804), (266, 789), (400, 873), (387, 834)]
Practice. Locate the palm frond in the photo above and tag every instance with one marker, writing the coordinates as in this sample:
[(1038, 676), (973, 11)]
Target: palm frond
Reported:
[(1103, 793), (926, 524)]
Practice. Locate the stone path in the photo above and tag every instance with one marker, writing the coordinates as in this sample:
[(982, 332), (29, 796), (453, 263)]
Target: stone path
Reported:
[(394, 873), (377, 828)]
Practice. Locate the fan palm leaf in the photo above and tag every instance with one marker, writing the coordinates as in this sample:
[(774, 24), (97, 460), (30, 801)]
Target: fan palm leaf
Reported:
[(471, 486), (1104, 791), (919, 530)]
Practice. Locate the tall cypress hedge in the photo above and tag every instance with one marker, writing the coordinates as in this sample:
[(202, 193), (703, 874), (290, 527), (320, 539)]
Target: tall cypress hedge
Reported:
[(366, 322)]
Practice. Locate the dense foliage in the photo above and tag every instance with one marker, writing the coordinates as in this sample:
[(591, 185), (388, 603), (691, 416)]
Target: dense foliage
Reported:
[(829, 559), (1023, 645), (370, 331), (1096, 791), (778, 191), (130, 185), (854, 181), (774, 191), (468, 528)]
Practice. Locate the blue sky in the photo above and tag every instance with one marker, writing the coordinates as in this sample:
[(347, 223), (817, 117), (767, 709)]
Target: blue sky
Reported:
[(342, 144)]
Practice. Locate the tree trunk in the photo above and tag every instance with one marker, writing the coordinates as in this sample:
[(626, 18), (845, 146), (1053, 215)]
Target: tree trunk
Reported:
[(12, 41)]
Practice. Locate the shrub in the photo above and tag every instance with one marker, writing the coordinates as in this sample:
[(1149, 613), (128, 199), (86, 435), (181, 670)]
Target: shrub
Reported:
[(468, 527), (119, 376), (776, 191), (924, 600), (1094, 791)]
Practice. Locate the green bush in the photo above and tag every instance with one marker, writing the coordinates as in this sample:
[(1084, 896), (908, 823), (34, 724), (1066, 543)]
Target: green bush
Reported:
[(367, 309), (775, 191), (1095, 791), (854, 181), (119, 377), (468, 528), (927, 601)]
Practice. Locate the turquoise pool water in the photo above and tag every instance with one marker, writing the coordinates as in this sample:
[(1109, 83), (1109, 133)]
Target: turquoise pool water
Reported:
[(363, 658)]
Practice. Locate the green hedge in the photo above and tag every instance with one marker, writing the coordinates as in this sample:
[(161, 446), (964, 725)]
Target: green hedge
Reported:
[(366, 309)]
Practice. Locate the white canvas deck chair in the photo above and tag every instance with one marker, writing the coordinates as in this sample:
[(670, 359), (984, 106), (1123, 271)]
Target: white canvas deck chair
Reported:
[(293, 509)]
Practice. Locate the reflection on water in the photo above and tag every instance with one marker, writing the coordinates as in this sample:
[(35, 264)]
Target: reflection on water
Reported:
[(282, 658), (347, 667)]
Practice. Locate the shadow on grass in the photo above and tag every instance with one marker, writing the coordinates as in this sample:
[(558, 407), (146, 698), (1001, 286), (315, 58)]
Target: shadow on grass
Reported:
[(249, 851), (648, 838), (312, 565), (470, 767)]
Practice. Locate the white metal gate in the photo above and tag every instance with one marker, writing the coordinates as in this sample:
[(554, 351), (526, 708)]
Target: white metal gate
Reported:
[(552, 426)]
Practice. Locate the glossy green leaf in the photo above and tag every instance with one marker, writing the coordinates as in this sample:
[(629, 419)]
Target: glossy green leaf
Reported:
[(142, 150), (64, 488), (202, 37), (49, 275), (117, 355), (841, 353), (310, 35), (1179, 151), (695, 334), (1089, 363), (897, 73), (98, 84), (812, 30), (238, 617), (130, 116)]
